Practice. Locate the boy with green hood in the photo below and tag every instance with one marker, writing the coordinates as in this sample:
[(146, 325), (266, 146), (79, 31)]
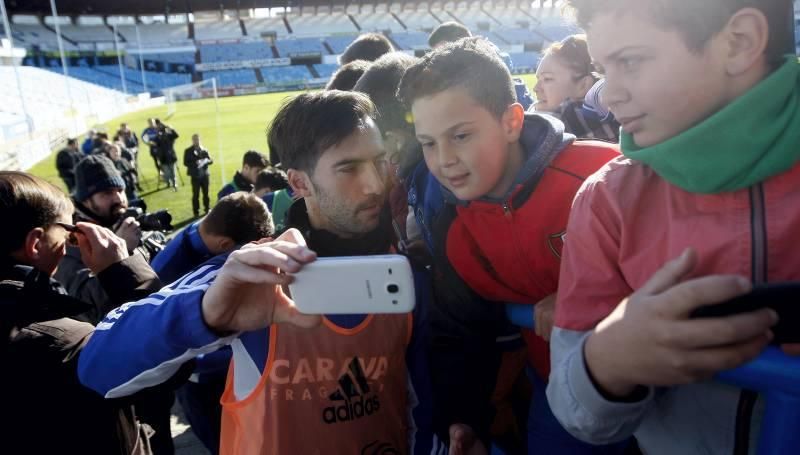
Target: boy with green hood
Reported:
[(703, 205)]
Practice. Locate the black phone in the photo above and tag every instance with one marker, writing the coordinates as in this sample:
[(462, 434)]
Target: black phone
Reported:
[(784, 298)]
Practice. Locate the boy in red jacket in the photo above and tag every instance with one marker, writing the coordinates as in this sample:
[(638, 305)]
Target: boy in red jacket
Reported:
[(512, 178)]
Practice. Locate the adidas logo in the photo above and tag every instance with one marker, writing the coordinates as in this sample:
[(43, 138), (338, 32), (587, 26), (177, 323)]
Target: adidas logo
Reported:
[(356, 404)]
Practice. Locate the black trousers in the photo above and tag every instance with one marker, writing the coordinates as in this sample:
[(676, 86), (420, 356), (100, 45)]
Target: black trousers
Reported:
[(199, 183)]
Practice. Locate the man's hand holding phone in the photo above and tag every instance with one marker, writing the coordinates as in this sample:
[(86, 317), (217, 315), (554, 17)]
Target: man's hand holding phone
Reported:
[(247, 293), (650, 339)]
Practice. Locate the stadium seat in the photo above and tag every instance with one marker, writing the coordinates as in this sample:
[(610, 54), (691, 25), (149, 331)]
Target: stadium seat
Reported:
[(326, 70), (156, 34), (232, 77), (255, 27), (339, 43), (377, 22), (255, 50), (286, 75), (297, 46), (217, 30), (411, 40), (321, 25), (525, 62)]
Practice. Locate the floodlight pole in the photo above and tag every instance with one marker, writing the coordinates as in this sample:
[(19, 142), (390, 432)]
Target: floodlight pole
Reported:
[(10, 36), (221, 156), (141, 57), (64, 69), (119, 61)]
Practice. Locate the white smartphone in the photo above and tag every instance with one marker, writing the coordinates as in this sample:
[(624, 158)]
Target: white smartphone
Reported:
[(355, 285)]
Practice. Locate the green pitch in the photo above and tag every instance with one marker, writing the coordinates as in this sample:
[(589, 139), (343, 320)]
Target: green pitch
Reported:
[(243, 126)]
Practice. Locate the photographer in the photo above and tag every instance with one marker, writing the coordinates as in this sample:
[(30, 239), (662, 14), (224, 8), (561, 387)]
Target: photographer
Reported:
[(165, 143), (66, 159), (40, 337), (149, 136), (114, 151), (99, 198)]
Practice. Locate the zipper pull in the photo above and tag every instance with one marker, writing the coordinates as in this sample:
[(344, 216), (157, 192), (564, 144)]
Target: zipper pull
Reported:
[(507, 210)]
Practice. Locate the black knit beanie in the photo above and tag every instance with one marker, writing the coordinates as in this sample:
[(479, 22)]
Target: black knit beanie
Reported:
[(93, 174)]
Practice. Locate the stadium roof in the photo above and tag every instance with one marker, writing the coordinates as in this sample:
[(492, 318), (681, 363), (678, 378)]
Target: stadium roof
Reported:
[(147, 7)]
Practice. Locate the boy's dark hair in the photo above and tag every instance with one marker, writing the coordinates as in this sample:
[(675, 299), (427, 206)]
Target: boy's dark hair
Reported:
[(470, 63), (369, 47), (72, 141), (272, 178), (448, 32), (241, 216), (253, 158), (346, 76), (380, 83), (30, 202), (310, 123), (699, 21)]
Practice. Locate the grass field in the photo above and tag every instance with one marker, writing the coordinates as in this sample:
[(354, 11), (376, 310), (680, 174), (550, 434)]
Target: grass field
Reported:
[(243, 123)]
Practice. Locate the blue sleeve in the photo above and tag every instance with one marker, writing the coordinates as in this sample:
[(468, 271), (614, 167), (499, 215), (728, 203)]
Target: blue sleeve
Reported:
[(422, 438), (144, 343), (268, 199), (169, 263), (520, 315)]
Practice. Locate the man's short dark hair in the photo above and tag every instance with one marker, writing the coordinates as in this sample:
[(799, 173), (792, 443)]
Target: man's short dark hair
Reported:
[(380, 83), (241, 216), (310, 123), (448, 32), (30, 202), (369, 47), (469, 63), (346, 76), (72, 141), (699, 21), (274, 179), (253, 158)]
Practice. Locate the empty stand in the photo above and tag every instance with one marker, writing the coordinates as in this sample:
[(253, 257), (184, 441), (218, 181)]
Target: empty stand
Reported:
[(299, 46), (88, 33), (255, 27), (326, 70), (411, 40), (419, 19), (286, 75), (38, 35), (525, 61), (217, 30), (377, 22), (321, 25), (156, 34), (50, 106), (232, 77), (210, 53), (473, 17), (339, 43)]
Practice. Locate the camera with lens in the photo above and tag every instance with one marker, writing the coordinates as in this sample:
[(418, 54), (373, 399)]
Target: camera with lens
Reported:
[(153, 226), (160, 220)]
